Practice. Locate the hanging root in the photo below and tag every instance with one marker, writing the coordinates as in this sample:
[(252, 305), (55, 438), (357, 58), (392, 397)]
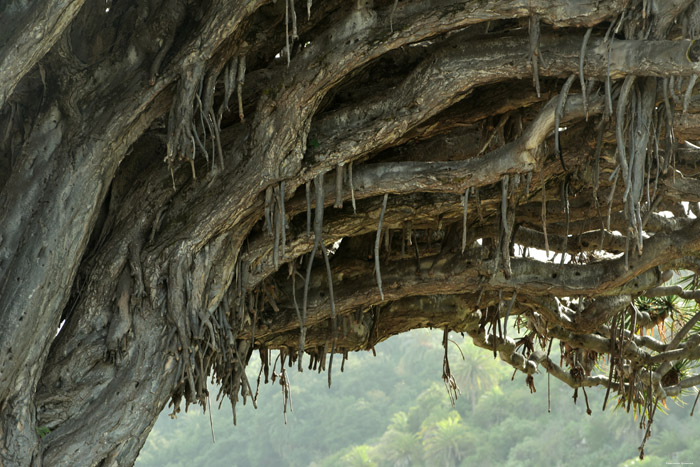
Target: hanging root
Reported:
[(287, 49), (276, 241), (352, 189), (561, 103), (465, 202), (449, 380), (544, 210), (334, 323), (535, 51), (376, 246), (240, 80), (308, 9), (302, 332), (268, 207), (181, 142), (295, 36), (567, 216), (338, 187), (283, 215), (318, 231), (582, 57), (505, 227), (619, 129), (508, 310), (689, 93), (308, 208), (391, 16)]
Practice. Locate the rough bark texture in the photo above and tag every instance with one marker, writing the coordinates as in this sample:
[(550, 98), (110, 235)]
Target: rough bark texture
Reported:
[(157, 160)]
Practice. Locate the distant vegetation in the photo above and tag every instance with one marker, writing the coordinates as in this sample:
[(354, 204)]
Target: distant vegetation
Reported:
[(393, 410)]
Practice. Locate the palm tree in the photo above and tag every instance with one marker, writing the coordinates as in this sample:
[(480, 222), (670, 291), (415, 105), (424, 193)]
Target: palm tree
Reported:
[(476, 373), (358, 457), (400, 448), (447, 442)]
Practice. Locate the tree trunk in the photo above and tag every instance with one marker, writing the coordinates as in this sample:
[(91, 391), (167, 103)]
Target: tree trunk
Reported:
[(164, 197)]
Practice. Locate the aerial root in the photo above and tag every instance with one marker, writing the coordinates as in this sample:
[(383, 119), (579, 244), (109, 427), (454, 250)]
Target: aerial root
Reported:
[(544, 209), (287, 49), (338, 187), (688, 94), (534, 27), (318, 241), (376, 246), (308, 208), (282, 215), (181, 142), (582, 57), (447, 377), (558, 114), (268, 208), (334, 323), (619, 130), (507, 218), (465, 202), (567, 216), (352, 189), (508, 310), (240, 80)]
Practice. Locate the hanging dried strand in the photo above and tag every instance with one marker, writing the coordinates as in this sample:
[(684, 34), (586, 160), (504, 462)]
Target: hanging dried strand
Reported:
[(534, 27), (561, 103), (465, 202), (582, 79), (376, 246), (308, 9), (338, 187), (647, 433)]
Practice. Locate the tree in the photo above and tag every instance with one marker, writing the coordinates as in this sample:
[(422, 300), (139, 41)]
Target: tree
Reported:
[(186, 182)]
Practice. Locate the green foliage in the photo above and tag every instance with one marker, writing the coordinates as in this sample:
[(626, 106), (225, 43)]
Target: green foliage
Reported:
[(42, 431), (393, 411)]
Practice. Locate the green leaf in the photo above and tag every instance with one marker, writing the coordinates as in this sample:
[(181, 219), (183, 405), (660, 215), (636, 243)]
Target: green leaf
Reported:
[(42, 431)]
